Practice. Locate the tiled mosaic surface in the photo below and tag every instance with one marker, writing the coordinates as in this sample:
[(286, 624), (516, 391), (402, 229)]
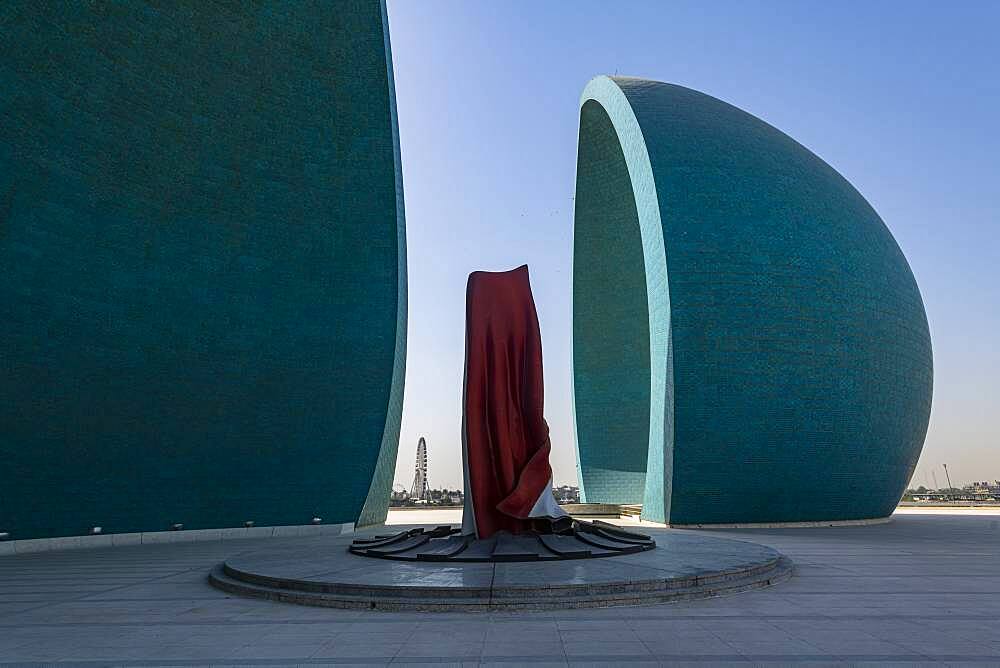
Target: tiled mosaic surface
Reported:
[(202, 309), (611, 401), (801, 352)]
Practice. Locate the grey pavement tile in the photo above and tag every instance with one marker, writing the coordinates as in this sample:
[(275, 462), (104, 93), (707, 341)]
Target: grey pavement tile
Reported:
[(865, 647), (608, 648), (840, 644), (789, 647), (533, 661), (377, 624), (432, 660), (298, 633), (523, 629), (669, 625), (437, 662), (33, 654), (372, 638), (947, 646), (463, 650), (598, 635), (675, 661), (686, 639), (707, 649), (385, 651), (460, 641), (284, 650), (640, 663), (526, 648), (618, 624)]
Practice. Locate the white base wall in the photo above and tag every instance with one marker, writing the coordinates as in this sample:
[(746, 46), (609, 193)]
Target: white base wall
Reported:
[(148, 537)]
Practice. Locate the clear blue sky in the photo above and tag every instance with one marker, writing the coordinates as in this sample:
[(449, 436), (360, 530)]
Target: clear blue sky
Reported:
[(903, 98)]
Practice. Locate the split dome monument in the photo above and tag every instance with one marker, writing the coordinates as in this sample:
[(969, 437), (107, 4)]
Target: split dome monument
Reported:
[(204, 294), (749, 344)]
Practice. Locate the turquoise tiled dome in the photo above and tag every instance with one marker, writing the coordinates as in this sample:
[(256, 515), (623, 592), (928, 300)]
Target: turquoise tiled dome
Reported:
[(749, 342)]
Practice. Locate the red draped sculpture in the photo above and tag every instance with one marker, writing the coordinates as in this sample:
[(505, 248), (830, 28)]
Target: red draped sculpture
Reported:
[(505, 439)]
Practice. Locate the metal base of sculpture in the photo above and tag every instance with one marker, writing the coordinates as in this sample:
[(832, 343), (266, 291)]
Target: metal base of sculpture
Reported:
[(553, 541)]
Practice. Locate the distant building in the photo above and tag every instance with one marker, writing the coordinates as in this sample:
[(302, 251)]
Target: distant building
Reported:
[(434, 497), (566, 494), (985, 490), (981, 492)]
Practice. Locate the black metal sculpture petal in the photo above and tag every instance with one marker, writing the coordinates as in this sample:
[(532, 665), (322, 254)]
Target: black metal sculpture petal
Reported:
[(558, 541)]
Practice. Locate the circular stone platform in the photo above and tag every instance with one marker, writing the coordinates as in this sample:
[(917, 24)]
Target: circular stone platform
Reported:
[(321, 571)]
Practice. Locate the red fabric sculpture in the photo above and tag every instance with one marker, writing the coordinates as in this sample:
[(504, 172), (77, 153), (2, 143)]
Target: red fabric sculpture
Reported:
[(505, 439)]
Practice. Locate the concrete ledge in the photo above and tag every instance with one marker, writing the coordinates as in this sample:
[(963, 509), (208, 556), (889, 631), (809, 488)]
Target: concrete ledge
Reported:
[(788, 525), (30, 545), (612, 509)]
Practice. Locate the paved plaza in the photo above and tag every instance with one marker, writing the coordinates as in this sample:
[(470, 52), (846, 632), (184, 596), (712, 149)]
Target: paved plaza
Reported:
[(924, 588)]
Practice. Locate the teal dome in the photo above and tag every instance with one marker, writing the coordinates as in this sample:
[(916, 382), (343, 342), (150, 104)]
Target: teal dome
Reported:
[(202, 244), (749, 343)]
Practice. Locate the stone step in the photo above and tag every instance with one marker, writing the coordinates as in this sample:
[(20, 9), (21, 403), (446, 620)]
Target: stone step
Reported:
[(334, 588), (452, 599), (371, 600), (498, 591)]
